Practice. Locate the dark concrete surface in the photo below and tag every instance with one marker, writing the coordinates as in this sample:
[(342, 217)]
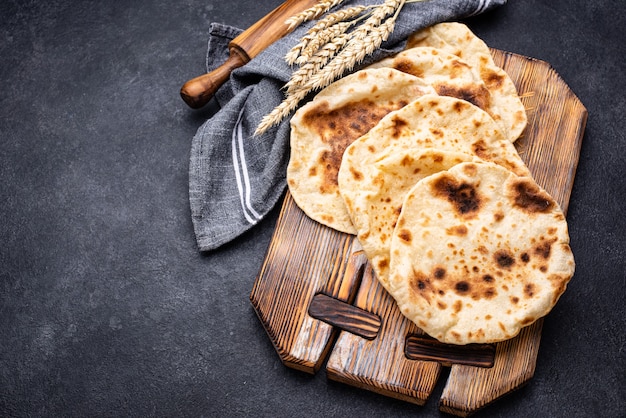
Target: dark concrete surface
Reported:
[(108, 309)]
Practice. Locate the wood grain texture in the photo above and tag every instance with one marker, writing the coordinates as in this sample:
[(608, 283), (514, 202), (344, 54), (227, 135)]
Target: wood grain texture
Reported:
[(420, 347), (550, 147), (345, 316), (380, 365), (270, 28), (198, 91), (306, 259), (469, 388)]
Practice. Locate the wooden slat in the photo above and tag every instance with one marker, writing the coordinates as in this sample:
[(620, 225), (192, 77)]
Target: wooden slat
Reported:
[(304, 258), (469, 389), (550, 147), (379, 365)]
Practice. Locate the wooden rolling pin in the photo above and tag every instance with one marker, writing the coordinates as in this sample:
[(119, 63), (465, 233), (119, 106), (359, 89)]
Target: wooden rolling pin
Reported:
[(198, 91)]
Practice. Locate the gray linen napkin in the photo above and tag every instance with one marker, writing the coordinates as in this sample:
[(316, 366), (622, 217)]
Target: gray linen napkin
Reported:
[(235, 178)]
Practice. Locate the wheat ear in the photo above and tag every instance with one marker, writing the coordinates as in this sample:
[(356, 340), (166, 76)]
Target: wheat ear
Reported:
[(333, 59), (322, 28), (311, 13), (280, 112), (315, 63)]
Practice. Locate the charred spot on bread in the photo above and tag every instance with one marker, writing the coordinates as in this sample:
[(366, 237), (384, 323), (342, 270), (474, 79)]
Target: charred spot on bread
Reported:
[(462, 195), (529, 197)]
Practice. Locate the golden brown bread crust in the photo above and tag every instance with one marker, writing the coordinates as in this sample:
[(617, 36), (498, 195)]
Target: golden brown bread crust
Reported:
[(457, 39), (414, 154), (374, 193), (324, 127), (440, 122), (448, 74), (431, 134), (478, 253)]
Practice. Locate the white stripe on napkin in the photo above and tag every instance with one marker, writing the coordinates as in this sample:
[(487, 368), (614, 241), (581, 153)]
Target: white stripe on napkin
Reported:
[(241, 172), (482, 6)]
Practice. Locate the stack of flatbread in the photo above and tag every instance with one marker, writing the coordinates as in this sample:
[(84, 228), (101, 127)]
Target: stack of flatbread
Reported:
[(415, 156)]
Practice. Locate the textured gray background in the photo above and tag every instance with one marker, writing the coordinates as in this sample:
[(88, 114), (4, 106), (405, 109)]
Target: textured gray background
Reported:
[(108, 309)]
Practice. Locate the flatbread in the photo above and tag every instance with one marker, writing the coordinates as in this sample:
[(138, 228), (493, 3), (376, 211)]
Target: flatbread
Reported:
[(478, 253), (450, 76), (439, 122), (323, 128), (374, 197), (456, 38)]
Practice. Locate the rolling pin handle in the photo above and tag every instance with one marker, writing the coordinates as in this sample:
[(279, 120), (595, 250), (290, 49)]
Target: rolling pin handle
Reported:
[(198, 91)]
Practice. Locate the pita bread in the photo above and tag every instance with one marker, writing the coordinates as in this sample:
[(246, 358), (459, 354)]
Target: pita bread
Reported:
[(439, 122), (449, 76), (456, 38), (374, 198), (324, 127), (478, 253)]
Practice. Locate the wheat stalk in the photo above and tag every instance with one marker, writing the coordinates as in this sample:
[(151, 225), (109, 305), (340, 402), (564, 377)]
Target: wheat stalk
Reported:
[(322, 38), (280, 112), (328, 50), (312, 13), (315, 63), (326, 28)]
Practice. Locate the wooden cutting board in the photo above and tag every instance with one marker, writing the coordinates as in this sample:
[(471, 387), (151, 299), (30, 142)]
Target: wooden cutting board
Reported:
[(317, 297)]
